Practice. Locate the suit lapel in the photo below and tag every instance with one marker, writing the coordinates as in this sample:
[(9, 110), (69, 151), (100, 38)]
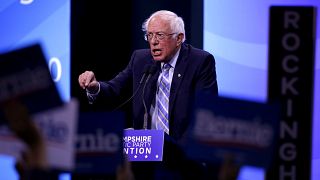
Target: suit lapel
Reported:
[(179, 71)]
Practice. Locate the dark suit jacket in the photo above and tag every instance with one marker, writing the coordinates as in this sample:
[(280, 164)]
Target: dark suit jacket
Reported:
[(194, 71)]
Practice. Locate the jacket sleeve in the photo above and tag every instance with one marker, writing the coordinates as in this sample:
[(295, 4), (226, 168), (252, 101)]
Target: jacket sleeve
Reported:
[(207, 79)]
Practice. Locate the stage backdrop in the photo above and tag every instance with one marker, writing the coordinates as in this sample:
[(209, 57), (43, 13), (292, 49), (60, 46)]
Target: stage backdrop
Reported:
[(237, 34)]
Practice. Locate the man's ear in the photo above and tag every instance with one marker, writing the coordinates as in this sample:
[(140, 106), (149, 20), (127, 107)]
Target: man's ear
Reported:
[(180, 37)]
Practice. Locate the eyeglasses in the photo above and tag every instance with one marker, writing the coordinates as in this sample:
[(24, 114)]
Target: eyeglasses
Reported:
[(159, 36)]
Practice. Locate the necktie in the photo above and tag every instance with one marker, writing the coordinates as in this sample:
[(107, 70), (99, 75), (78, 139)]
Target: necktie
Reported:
[(163, 99)]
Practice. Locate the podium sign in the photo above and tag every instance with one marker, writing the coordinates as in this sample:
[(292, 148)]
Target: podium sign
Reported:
[(228, 129), (143, 145)]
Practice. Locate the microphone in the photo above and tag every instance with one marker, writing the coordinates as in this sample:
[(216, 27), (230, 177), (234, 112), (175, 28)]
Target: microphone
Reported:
[(146, 70), (152, 70)]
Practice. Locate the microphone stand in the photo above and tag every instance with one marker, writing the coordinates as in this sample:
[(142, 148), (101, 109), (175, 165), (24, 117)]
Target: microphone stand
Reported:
[(152, 70)]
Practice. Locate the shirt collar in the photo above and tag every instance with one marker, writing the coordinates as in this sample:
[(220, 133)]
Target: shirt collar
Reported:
[(173, 61)]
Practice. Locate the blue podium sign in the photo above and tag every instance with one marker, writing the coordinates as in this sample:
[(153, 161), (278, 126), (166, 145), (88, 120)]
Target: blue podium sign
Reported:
[(225, 128), (143, 145)]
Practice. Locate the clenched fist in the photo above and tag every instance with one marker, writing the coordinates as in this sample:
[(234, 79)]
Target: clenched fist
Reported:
[(87, 80)]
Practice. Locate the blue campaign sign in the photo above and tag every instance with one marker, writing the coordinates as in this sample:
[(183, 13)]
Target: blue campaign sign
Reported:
[(99, 142), (143, 145), (25, 77), (228, 129)]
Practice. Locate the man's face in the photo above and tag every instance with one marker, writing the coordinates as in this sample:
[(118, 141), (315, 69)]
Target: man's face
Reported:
[(163, 42)]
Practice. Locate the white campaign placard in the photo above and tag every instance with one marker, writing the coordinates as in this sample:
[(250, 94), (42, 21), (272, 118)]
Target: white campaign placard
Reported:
[(58, 126)]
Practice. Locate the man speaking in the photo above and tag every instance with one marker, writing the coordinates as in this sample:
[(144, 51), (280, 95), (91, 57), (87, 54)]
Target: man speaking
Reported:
[(163, 79)]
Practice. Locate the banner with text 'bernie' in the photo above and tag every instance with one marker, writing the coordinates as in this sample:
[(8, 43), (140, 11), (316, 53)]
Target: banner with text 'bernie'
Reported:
[(99, 142), (58, 128), (25, 76), (226, 129)]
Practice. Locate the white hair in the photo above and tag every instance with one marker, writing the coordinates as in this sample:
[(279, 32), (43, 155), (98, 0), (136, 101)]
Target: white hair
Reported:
[(176, 22)]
